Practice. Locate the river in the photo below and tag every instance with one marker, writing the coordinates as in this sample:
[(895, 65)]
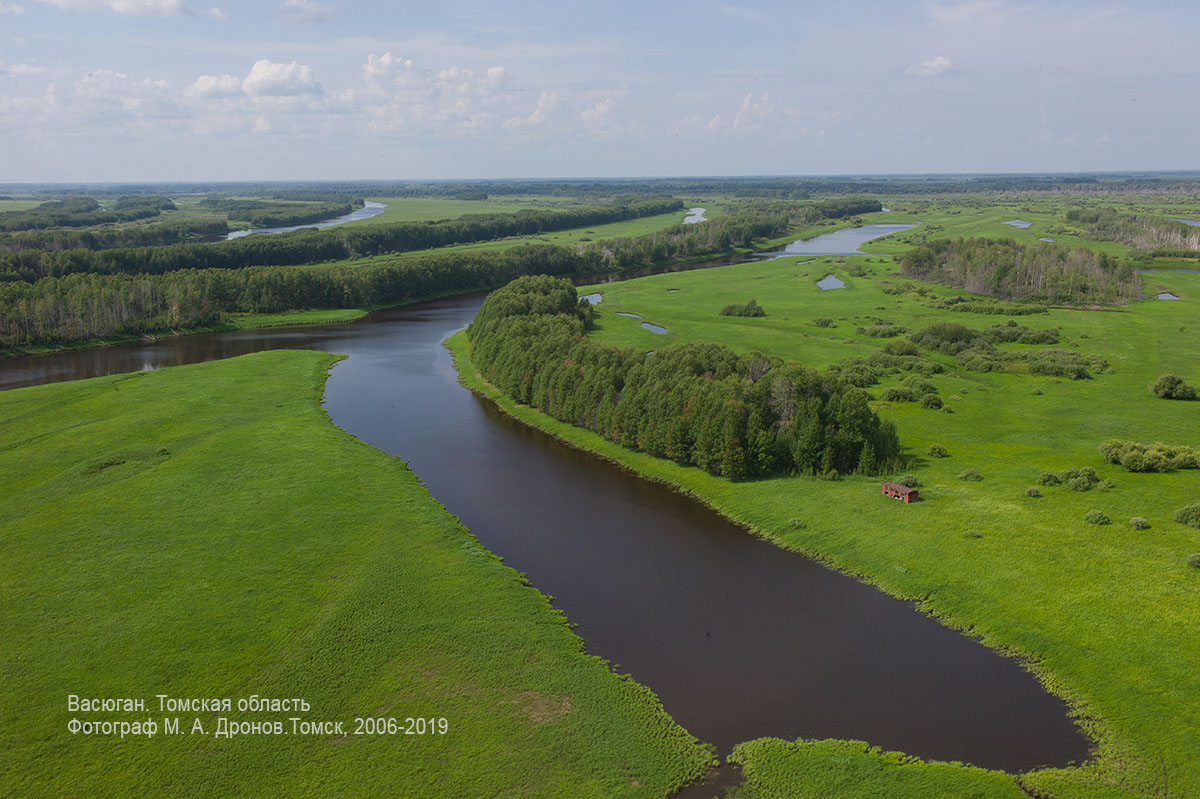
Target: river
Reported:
[(368, 210), (738, 638)]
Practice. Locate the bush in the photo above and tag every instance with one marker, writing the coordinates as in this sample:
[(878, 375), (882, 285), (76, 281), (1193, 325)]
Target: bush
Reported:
[(1189, 515), (1193, 560), (902, 347), (1173, 387), (1079, 484), (938, 451), (882, 331), (897, 394), (1138, 523), (1049, 479), (823, 321), (796, 524), (1032, 491), (1157, 457), (1096, 517), (973, 534), (931, 401), (909, 480), (751, 308), (971, 475)]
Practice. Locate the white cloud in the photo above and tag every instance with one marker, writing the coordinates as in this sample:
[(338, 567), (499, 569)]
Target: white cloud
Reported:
[(217, 14), (930, 68), (20, 69), (304, 11), (126, 7), (262, 124), (270, 79), (11, 8), (215, 86)]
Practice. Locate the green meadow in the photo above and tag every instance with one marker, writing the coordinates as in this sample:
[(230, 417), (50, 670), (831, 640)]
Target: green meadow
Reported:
[(1105, 615), (205, 532), (422, 209)]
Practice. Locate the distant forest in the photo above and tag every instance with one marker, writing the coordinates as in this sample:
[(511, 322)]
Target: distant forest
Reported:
[(1008, 270)]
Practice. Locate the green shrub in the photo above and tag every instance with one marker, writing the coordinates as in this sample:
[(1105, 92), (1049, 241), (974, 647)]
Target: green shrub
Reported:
[(1096, 517), (1032, 491), (823, 321), (898, 394), (938, 451), (751, 308), (1193, 560), (1189, 515), (1138, 523), (970, 475), (1157, 457), (902, 347), (796, 524), (909, 480), (1049, 479), (1079, 484), (947, 409), (931, 401), (1173, 387), (973, 534)]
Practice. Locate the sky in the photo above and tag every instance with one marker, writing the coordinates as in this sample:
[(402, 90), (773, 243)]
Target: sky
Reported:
[(157, 90)]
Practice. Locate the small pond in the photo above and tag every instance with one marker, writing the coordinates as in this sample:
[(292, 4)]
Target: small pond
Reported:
[(1044, 238), (660, 330), (829, 282), (1021, 223), (1166, 295), (694, 215), (592, 299), (629, 315), (1192, 222)]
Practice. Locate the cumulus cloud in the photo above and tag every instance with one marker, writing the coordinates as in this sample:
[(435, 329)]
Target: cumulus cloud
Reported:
[(215, 86), (11, 8), (261, 124), (930, 68), (270, 79), (217, 14), (303, 11), (126, 7)]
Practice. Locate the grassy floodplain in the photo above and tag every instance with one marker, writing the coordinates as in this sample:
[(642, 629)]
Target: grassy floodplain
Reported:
[(1106, 615), (205, 531)]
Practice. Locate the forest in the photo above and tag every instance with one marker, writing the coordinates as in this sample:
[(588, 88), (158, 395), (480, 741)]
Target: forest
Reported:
[(330, 244), (736, 416), (76, 307), (1009, 270), (83, 211)]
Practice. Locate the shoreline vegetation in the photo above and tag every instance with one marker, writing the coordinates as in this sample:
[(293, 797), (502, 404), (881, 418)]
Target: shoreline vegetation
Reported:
[(232, 567), (1022, 592)]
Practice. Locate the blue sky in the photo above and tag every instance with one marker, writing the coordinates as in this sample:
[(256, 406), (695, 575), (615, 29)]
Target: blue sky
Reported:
[(305, 89)]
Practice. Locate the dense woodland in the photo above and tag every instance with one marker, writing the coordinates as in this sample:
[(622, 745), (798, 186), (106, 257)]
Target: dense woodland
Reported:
[(82, 212), (1153, 234), (154, 234), (329, 244), (733, 415), (1008, 270), (60, 310)]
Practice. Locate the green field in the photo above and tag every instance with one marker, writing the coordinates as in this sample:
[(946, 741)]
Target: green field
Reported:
[(205, 532), (1105, 615)]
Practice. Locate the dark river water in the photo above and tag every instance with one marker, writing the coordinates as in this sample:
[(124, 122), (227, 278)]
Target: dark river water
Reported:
[(739, 638)]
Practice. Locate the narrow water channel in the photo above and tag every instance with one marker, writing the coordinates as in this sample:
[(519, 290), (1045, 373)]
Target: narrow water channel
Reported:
[(738, 638)]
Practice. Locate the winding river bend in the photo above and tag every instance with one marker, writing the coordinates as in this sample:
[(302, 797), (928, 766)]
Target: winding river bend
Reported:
[(738, 638)]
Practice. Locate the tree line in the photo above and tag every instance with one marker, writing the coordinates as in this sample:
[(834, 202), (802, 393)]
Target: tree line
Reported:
[(1009, 270), (736, 416), (82, 212), (260, 213), (1152, 234), (152, 234), (329, 244)]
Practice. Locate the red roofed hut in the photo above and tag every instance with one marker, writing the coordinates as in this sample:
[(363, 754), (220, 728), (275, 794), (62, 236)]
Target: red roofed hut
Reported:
[(897, 491)]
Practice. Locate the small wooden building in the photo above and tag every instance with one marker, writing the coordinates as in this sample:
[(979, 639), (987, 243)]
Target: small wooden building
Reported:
[(897, 491)]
